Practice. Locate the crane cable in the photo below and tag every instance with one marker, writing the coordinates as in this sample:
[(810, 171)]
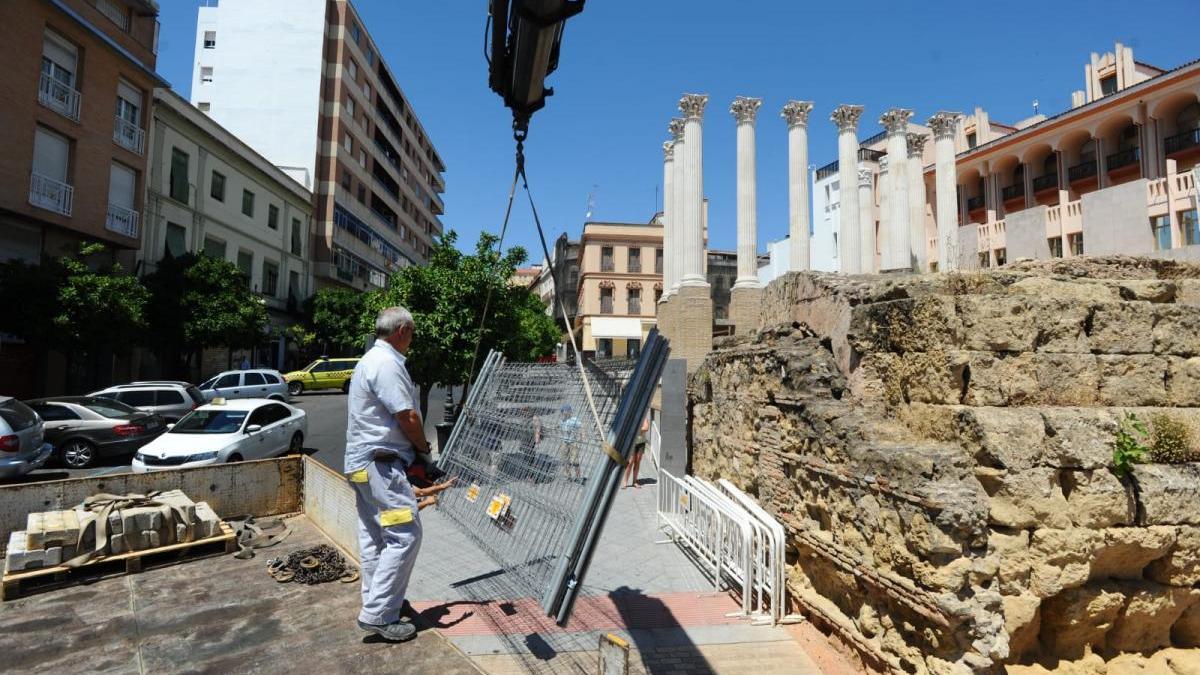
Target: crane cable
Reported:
[(519, 136)]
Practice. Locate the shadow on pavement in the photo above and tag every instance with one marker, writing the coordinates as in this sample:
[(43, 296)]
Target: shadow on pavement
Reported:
[(661, 641)]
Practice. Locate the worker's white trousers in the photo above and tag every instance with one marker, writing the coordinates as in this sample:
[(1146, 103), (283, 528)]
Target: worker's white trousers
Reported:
[(389, 537)]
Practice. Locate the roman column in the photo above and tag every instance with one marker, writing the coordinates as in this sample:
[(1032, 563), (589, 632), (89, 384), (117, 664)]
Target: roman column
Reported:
[(694, 316), (916, 201), (846, 118), (796, 114), (866, 236), (944, 125), (668, 214), (746, 293), (898, 255), (885, 214), (680, 226)]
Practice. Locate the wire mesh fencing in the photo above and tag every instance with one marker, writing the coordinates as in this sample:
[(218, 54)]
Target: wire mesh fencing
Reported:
[(523, 451)]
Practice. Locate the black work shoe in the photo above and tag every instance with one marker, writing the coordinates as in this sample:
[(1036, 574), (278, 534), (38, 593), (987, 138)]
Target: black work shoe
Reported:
[(392, 632)]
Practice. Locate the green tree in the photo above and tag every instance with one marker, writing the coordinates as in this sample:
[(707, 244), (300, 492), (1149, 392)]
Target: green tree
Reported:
[(198, 302), (447, 299), (79, 306), (334, 317)]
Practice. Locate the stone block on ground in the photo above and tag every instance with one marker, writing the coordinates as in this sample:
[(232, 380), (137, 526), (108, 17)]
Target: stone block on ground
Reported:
[(1183, 383), (1123, 328), (1137, 380), (207, 523), (1096, 498)]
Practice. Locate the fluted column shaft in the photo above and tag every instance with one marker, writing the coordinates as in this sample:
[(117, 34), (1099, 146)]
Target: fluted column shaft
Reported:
[(668, 217), (849, 228), (898, 255), (944, 126), (679, 225), (866, 236), (796, 114), (692, 106), (745, 110), (916, 201), (885, 212)]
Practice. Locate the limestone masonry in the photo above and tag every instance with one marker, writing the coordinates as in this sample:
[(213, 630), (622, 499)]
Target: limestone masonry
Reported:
[(940, 448)]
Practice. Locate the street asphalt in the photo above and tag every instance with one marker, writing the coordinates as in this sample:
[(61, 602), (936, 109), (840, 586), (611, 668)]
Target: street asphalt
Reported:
[(325, 441)]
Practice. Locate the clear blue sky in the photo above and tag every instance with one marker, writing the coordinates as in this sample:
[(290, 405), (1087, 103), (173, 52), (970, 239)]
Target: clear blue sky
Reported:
[(626, 62)]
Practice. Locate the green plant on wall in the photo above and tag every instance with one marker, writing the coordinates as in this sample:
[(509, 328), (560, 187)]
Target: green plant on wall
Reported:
[(1128, 446)]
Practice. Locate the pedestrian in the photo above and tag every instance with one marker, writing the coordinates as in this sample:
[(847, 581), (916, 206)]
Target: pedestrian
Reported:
[(384, 434), (635, 459), (568, 429), (245, 364)]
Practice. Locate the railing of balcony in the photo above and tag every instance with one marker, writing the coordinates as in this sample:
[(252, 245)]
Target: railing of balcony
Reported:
[(635, 306), (128, 135), (1183, 141), (868, 155), (974, 203), (1085, 169), (606, 265), (1123, 158), (1012, 191), (606, 305), (635, 266), (827, 170), (59, 97), (52, 195), (1045, 182), (121, 220)]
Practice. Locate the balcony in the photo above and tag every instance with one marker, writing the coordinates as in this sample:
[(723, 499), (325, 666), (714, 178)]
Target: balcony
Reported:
[(128, 135), (122, 221), (974, 203), (1123, 158), (59, 97), (635, 266), (606, 305), (635, 306), (1046, 182), (1012, 191), (47, 193), (1181, 142), (1085, 169), (606, 265)]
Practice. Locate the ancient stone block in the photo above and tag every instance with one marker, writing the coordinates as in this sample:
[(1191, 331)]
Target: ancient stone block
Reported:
[(1122, 328), (1060, 559), (1132, 380), (1079, 291), (1001, 381), (997, 323), (1169, 493), (1096, 498), (1181, 565), (1079, 437), (1126, 550), (1022, 622), (1187, 292), (1186, 631), (1183, 383), (1147, 290), (1067, 379), (1004, 438), (207, 522), (1149, 612), (1177, 331), (1078, 618), (1025, 498)]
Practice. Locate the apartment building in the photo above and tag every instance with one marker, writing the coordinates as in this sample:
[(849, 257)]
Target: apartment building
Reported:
[(75, 88), (1115, 173), (210, 193), (302, 82), (620, 283)]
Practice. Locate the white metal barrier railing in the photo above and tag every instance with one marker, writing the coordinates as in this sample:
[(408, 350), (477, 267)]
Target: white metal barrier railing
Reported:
[(655, 443), (739, 543)]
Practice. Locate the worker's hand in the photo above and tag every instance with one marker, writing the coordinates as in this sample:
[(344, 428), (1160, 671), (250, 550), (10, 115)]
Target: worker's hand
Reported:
[(434, 489), (427, 501)]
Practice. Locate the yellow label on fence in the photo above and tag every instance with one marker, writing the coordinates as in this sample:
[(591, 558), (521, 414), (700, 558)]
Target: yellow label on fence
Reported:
[(473, 493), (498, 506)]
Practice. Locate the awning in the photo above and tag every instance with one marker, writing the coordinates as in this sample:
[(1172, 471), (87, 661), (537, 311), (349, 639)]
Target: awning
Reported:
[(616, 327)]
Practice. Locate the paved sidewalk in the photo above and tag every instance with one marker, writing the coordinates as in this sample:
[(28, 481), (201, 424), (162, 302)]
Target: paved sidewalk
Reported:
[(639, 586)]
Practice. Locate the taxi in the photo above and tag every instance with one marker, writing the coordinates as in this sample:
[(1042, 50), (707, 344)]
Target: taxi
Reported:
[(324, 373)]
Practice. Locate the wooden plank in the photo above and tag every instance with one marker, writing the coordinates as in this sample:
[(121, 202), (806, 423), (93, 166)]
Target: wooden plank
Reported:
[(132, 558)]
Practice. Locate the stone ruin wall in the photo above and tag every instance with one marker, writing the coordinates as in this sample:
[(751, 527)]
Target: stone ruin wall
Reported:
[(940, 450)]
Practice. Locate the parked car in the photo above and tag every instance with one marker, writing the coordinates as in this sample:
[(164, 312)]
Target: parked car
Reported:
[(171, 399), (226, 431), (254, 383), (324, 373), (22, 446), (83, 429)]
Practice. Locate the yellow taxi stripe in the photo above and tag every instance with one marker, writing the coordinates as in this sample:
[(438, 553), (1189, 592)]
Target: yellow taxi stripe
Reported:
[(400, 516), (359, 476)]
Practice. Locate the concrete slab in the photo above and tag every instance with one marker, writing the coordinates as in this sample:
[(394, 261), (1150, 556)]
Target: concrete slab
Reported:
[(217, 614)]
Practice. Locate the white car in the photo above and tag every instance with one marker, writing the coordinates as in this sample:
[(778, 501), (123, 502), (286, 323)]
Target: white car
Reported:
[(226, 431)]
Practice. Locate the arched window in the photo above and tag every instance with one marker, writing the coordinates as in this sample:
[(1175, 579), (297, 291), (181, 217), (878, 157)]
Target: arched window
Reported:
[(1050, 164), (1128, 138), (1087, 151), (1019, 175), (1188, 118)]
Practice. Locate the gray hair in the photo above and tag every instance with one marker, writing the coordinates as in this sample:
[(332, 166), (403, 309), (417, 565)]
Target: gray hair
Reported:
[(392, 319)]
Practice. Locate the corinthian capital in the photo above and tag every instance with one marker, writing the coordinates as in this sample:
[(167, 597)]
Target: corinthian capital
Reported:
[(669, 151), (944, 123), (846, 116), (745, 109), (676, 129), (796, 113), (864, 176), (692, 105), (896, 120), (883, 164), (916, 144)]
